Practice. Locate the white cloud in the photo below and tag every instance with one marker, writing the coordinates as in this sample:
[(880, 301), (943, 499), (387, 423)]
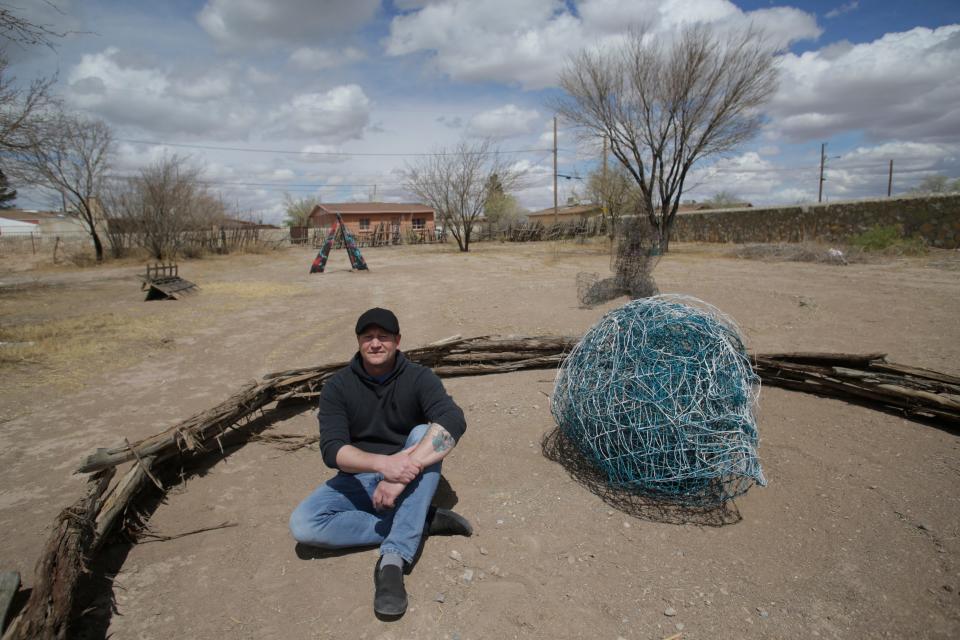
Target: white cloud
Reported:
[(333, 117), (312, 59), (864, 171), (781, 25), (257, 76), (860, 173), (323, 153), (503, 122), (406, 5), (901, 86), (128, 94), (202, 88), (247, 24), (613, 15), (853, 5), (281, 174), (493, 40), (528, 42)]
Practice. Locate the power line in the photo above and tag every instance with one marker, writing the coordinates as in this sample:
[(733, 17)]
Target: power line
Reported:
[(224, 183), (337, 154)]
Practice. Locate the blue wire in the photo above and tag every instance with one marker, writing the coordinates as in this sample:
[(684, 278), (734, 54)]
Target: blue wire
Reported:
[(660, 396)]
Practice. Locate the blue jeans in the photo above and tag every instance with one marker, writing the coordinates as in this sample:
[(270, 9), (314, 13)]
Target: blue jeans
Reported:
[(340, 513)]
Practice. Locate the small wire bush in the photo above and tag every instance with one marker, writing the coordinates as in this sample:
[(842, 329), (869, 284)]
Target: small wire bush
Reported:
[(660, 395)]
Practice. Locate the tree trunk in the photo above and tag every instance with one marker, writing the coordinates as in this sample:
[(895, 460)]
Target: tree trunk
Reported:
[(97, 244), (457, 235), (664, 224), (47, 612), (664, 241)]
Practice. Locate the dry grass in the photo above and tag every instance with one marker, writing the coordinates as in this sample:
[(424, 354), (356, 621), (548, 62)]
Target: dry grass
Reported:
[(798, 252), (563, 250), (64, 349), (252, 290)]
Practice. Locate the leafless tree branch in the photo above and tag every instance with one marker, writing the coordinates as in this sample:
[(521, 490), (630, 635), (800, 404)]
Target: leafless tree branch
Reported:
[(70, 156), (664, 106), (457, 183)]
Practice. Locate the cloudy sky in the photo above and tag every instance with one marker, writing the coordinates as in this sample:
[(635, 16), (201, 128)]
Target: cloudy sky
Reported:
[(336, 97)]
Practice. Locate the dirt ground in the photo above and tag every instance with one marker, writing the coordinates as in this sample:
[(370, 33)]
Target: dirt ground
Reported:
[(856, 535)]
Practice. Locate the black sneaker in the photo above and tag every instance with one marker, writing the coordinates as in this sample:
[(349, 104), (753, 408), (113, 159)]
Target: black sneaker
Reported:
[(390, 597), (444, 522)]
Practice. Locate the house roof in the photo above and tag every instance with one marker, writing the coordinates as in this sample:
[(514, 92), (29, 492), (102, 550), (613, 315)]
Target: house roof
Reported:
[(579, 209), (20, 214), (11, 223), (238, 223), (371, 207)]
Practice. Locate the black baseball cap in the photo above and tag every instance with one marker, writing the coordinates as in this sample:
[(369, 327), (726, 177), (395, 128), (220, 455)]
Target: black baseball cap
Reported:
[(383, 318)]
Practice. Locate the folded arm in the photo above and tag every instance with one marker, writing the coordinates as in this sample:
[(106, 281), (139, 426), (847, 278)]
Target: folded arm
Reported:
[(399, 467), (432, 448)]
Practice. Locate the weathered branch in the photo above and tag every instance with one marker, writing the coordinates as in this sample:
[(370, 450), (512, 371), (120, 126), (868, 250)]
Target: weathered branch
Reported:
[(85, 526), (63, 560)]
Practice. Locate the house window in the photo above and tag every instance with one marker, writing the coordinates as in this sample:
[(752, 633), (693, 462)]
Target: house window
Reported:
[(419, 223), (364, 224)]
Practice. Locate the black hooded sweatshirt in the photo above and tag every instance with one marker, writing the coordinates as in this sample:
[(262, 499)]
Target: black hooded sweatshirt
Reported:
[(377, 417)]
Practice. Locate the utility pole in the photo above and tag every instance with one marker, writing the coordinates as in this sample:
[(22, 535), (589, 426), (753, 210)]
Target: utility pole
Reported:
[(823, 158), (605, 188), (890, 179), (555, 168)]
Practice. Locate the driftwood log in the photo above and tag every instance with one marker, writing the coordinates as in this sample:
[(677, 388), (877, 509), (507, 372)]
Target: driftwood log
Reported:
[(867, 379), (448, 358), (47, 612), (84, 527)]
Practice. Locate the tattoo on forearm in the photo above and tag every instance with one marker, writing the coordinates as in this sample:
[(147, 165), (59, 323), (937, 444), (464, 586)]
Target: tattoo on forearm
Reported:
[(442, 440)]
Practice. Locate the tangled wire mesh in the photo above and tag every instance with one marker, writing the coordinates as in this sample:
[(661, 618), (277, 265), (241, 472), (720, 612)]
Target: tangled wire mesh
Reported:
[(660, 396), (637, 253)]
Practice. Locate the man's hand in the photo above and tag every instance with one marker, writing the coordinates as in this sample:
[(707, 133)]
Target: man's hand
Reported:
[(400, 467), (386, 494)]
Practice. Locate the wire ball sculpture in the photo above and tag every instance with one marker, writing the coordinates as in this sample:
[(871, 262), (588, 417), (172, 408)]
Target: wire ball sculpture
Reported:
[(660, 396)]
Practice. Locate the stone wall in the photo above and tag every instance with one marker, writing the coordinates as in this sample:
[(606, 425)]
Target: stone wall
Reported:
[(936, 219)]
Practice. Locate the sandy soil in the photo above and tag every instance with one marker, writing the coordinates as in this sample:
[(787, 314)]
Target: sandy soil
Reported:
[(856, 535)]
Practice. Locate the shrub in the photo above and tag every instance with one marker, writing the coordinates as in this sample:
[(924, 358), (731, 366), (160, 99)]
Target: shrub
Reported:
[(888, 239)]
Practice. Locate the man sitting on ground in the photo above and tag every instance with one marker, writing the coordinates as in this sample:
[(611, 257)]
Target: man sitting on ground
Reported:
[(385, 425)]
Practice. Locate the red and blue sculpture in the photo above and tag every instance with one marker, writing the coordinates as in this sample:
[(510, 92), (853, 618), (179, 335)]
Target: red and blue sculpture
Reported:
[(353, 251)]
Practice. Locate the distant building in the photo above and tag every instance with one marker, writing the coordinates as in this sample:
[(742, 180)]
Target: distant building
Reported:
[(11, 227), (365, 217), (689, 206), (45, 222), (570, 213), (237, 223)]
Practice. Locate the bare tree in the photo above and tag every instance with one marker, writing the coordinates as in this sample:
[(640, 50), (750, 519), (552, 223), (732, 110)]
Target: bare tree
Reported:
[(160, 206), (616, 194), (23, 32), (24, 111), (457, 183), (70, 156), (664, 106), (936, 184), (723, 200), (299, 209)]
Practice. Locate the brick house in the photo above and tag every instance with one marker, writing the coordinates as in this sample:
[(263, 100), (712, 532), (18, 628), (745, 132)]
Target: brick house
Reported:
[(364, 218)]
